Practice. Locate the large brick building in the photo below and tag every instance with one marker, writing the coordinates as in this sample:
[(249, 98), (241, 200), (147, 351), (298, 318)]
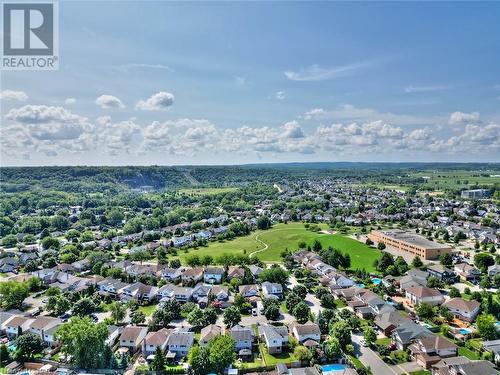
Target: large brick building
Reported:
[(410, 243)]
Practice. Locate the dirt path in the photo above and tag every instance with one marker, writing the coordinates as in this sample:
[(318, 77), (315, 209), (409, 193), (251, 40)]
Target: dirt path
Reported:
[(266, 246)]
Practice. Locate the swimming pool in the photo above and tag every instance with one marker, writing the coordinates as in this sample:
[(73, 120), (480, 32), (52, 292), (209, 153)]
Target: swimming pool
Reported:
[(361, 285), (497, 324), (464, 331), (12, 347), (333, 367), (376, 280)]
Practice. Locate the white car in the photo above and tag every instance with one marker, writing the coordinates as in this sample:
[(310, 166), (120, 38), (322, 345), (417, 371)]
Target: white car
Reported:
[(363, 342)]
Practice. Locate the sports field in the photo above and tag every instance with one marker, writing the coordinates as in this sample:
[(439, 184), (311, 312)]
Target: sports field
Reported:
[(268, 245)]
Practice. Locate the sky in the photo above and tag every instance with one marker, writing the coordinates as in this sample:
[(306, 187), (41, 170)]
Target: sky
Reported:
[(164, 83)]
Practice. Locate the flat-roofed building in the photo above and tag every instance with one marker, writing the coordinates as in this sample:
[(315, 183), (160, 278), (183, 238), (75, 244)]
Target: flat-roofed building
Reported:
[(410, 243)]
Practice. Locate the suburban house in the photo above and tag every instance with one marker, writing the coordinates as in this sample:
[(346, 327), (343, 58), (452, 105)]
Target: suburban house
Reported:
[(255, 271), (442, 273), (17, 325), (307, 331), (429, 350), (154, 340), (201, 291), (179, 293), (220, 293), (251, 290), (192, 276), (467, 272), (493, 347), (415, 277), (8, 264), (463, 366), (389, 321), (272, 289), (208, 333), (422, 294), (42, 324), (493, 270), (235, 272), (132, 337), (407, 333), (139, 291), (242, 336), (179, 342), (275, 337), (213, 275), (462, 309), (171, 274)]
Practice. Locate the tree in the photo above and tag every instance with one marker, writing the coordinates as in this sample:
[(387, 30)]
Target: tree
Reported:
[(158, 363), (302, 353), (275, 274), (434, 282), (486, 327), (381, 246), (27, 346), (263, 222), (483, 261), (9, 241), (424, 311), (50, 243), (231, 316), (384, 262), (271, 309), (195, 317), (300, 290), (118, 312), (332, 348), (454, 292), (58, 305), (137, 317), (221, 353), (292, 300), (199, 360), (342, 332), (13, 294), (417, 262), (446, 260), (162, 317), (84, 307), (84, 341), (301, 312), (370, 335), (4, 355)]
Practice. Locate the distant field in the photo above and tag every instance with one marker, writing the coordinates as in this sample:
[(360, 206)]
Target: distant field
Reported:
[(207, 191), (269, 244), (458, 179)]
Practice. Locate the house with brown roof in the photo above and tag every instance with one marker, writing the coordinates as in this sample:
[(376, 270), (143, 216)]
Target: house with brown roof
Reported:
[(422, 294), (429, 350), (42, 324), (249, 290), (235, 272), (192, 276), (208, 333), (17, 324), (154, 340), (462, 309), (467, 272), (307, 331), (132, 337)]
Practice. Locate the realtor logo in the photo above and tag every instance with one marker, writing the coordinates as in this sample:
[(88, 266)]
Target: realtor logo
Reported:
[(30, 40)]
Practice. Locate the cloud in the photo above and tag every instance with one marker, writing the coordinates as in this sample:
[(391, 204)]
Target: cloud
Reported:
[(160, 101), (292, 130), (109, 101), (317, 73), (418, 89), (461, 117), (240, 81), (20, 96), (280, 95), (70, 101), (351, 113)]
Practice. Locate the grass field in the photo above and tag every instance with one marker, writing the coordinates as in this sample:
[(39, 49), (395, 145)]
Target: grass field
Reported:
[(268, 245), (207, 191), (459, 179), (148, 310)]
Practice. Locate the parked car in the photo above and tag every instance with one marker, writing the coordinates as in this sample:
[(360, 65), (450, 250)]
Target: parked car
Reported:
[(254, 312)]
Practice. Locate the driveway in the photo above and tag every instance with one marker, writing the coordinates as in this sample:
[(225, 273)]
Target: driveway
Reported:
[(369, 358)]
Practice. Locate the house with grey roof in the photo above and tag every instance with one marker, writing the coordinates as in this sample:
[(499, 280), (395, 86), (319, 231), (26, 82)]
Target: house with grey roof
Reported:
[(275, 337)]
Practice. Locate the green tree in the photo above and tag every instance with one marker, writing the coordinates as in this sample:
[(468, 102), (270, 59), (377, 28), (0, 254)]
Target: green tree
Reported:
[(199, 360), (27, 346), (301, 312), (13, 294), (84, 307), (118, 311), (9, 241), (370, 335), (58, 305), (332, 348), (446, 260), (424, 311), (486, 327), (417, 262), (158, 364), (137, 317), (222, 354), (263, 222), (454, 292), (275, 274), (231, 316), (84, 341), (342, 332), (302, 353)]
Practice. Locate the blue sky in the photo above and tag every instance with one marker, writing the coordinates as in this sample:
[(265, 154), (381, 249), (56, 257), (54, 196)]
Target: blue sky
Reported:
[(224, 83)]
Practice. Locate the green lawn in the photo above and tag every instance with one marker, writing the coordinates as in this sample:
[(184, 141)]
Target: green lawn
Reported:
[(272, 360), (282, 236), (148, 310), (459, 179), (421, 372), (463, 351), (383, 341)]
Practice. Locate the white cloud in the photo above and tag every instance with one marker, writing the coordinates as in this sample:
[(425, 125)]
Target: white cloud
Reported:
[(70, 101), (280, 95), (418, 89), (461, 117), (350, 112), (20, 96), (292, 130), (109, 101), (240, 81), (317, 73), (160, 101)]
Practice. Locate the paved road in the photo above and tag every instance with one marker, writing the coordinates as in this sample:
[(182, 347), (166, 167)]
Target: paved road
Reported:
[(369, 358)]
